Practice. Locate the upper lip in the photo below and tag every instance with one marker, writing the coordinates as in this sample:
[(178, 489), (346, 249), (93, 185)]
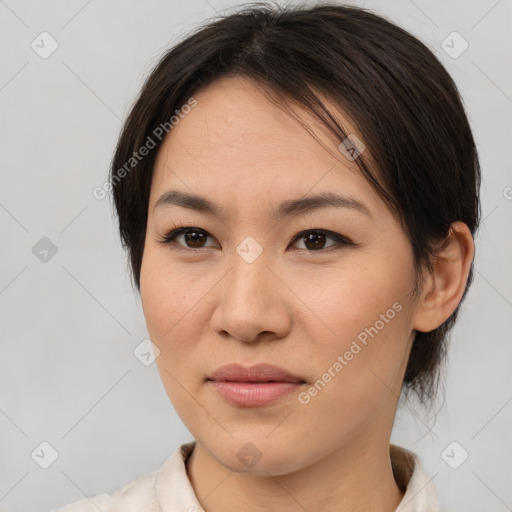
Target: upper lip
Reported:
[(258, 373)]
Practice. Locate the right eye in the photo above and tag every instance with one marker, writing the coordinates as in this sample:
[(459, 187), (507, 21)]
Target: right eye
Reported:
[(193, 238)]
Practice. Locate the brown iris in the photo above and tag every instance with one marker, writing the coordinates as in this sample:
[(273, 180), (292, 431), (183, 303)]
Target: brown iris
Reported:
[(314, 240)]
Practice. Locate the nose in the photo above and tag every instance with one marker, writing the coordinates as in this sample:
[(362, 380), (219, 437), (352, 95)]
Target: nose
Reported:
[(252, 303)]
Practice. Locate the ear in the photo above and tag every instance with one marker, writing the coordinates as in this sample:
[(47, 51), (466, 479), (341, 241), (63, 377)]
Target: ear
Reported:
[(445, 282)]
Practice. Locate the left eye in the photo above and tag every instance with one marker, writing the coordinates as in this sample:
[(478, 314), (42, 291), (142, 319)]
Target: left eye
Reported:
[(315, 239), (195, 238)]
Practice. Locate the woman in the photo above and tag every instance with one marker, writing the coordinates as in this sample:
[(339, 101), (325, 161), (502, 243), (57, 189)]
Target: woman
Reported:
[(297, 189)]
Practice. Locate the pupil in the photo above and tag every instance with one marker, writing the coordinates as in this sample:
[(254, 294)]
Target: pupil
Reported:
[(314, 240), (194, 238)]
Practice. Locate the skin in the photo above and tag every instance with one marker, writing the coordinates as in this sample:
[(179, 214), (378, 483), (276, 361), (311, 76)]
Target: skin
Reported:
[(295, 307)]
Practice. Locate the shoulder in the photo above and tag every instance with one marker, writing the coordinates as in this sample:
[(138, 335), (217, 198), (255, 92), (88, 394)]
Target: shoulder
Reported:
[(138, 494), (420, 494), (166, 487)]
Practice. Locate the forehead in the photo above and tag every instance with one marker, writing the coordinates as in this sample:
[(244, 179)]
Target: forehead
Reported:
[(237, 140)]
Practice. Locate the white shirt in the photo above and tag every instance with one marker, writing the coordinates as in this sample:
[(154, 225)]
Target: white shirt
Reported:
[(168, 489)]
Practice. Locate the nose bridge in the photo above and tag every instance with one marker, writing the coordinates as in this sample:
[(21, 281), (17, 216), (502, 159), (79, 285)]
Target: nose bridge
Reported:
[(249, 302), (247, 279)]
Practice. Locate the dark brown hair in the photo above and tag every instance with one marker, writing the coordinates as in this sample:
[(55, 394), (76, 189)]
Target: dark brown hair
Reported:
[(388, 83)]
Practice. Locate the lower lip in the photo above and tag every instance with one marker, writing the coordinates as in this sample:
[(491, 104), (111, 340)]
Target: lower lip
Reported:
[(251, 394)]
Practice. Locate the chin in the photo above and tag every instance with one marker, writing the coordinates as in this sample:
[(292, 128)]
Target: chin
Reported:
[(257, 458)]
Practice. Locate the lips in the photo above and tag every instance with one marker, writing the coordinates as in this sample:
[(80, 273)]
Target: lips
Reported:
[(254, 386), (257, 373)]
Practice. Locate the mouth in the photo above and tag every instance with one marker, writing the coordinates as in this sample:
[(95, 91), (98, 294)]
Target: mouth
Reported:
[(253, 394), (258, 381), (253, 386), (260, 373)]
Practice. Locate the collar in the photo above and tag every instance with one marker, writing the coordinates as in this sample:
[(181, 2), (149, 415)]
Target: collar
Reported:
[(175, 492)]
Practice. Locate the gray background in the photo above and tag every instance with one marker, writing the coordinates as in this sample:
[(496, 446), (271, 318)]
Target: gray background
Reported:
[(68, 375)]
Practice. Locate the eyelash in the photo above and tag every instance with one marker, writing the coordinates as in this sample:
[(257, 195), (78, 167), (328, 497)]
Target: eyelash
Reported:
[(168, 239)]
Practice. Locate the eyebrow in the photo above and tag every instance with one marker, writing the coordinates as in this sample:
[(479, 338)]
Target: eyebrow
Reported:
[(288, 207)]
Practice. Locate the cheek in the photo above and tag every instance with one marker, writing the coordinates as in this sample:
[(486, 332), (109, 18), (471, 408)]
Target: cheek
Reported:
[(368, 292), (168, 293), (167, 303), (174, 303), (360, 347), (165, 299)]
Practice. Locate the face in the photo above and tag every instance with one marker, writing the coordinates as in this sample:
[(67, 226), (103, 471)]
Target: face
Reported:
[(323, 293)]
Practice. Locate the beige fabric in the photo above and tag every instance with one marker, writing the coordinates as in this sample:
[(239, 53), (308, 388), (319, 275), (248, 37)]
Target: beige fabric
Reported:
[(168, 489)]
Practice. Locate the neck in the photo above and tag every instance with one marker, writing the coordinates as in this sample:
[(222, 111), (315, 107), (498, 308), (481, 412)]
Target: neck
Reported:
[(353, 478)]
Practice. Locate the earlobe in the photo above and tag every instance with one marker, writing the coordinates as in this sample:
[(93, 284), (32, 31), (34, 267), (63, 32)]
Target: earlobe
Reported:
[(445, 282)]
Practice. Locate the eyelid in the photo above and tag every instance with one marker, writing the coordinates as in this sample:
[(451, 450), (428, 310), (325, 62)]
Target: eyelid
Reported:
[(340, 239), (170, 236)]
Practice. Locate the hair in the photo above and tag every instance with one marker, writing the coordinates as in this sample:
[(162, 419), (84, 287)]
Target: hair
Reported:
[(398, 95)]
